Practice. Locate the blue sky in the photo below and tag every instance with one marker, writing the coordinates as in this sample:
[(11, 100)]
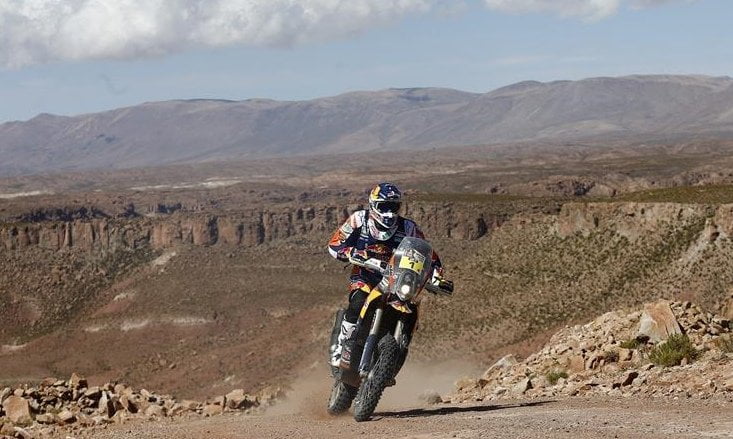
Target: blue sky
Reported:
[(463, 44)]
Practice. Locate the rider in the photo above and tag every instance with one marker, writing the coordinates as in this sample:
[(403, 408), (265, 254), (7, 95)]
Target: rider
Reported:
[(371, 233)]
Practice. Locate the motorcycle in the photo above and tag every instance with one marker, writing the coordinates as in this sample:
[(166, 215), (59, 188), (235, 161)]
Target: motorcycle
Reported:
[(384, 328)]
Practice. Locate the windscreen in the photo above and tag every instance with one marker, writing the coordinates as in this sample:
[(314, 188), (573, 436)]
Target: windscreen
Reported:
[(412, 265)]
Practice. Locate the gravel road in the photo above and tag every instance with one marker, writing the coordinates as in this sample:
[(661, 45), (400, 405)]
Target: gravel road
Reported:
[(574, 417)]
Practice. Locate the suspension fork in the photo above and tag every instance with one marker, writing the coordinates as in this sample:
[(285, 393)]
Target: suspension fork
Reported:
[(371, 342), (399, 329)]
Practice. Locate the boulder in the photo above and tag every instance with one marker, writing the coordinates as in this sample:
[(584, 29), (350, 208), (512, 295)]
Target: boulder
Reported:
[(5, 393), (93, 393), (107, 405), (190, 405), (45, 418), (466, 383), (7, 429), (522, 386), (658, 322), (505, 362), (128, 403), (155, 411), (213, 409), (22, 433), (594, 361), (270, 394), (76, 381), (17, 410), (237, 399), (66, 417)]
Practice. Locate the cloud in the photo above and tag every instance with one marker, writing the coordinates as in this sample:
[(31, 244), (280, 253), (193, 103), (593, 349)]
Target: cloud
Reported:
[(587, 9), (40, 31)]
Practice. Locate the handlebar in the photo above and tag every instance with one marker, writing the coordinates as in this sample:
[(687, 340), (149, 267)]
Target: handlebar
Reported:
[(443, 288), (372, 263)]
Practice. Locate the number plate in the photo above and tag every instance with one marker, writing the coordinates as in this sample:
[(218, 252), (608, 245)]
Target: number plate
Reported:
[(412, 260)]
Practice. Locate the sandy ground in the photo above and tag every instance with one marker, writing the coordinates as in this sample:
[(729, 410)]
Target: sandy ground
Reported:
[(576, 418)]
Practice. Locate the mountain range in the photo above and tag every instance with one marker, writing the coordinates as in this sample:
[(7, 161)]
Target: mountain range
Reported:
[(192, 131)]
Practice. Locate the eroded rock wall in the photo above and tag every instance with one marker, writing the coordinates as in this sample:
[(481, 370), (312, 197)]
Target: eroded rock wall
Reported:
[(246, 228), (633, 220)]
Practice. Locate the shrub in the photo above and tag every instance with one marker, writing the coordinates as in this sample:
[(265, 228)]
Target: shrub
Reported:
[(555, 375), (671, 352)]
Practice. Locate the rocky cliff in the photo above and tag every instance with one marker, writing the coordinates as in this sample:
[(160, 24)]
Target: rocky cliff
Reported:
[(247, 228), (633, 220)]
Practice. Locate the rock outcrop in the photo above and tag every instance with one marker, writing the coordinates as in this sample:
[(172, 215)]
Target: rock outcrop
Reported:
[(615, 355)]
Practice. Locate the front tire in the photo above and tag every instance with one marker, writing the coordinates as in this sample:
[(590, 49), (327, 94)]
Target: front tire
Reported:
[(373, 385), (342, 395)]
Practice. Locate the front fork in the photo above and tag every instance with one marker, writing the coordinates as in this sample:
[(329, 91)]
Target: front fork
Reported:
[(372, 340)]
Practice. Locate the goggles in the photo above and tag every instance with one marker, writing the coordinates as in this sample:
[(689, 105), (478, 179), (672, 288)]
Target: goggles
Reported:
[(387, 206)]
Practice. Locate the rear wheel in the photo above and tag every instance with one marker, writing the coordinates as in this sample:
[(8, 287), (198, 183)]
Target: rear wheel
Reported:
[(342, 395), (381, 375)]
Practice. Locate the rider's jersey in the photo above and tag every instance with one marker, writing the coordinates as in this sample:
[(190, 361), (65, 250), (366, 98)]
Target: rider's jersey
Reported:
[(354, 236)]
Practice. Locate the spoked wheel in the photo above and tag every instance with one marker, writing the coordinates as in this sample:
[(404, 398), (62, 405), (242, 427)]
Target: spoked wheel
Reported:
[(342, 395), (380, 376)]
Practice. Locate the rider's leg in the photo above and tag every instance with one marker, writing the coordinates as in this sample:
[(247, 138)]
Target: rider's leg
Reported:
[(348, 325)]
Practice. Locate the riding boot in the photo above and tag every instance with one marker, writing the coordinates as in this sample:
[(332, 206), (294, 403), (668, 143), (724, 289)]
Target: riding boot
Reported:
[(347, 330)]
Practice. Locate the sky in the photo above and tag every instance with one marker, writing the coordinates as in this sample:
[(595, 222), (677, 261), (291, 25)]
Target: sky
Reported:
[(69, 57)]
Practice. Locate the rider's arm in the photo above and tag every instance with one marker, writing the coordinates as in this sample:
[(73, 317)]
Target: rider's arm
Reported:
[(345, 237)]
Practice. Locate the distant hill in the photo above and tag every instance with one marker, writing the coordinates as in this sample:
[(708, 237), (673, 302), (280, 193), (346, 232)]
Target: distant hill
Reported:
[(193, 131)]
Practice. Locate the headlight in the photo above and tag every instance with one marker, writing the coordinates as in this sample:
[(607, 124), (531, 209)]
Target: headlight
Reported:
[(405, 290)]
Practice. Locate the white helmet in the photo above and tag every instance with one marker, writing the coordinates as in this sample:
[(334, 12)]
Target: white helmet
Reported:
[(385, 201)]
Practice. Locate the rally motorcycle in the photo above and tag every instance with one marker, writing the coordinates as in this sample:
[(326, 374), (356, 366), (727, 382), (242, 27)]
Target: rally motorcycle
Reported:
[(384, 330)]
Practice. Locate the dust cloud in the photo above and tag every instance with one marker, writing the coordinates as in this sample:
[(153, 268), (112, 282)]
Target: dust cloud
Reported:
[(308, 394), (417, 379)]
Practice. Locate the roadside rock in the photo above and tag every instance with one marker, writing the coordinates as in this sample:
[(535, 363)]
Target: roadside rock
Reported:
[(521, 387), (237, 399), (66, 417), (658, 322), (17, 410), (71, 404), (212, 410)]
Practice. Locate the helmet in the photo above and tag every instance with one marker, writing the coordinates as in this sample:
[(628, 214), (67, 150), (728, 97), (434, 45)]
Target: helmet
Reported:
[(384, 205)]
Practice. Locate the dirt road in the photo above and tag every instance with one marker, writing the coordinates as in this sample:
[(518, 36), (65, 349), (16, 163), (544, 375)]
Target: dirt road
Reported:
[(575, 418)]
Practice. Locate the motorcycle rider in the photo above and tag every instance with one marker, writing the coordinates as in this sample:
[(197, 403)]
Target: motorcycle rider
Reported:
[(374, 232)]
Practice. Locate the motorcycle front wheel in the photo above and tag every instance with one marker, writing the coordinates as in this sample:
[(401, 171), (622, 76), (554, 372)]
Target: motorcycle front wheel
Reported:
[(372, 387)]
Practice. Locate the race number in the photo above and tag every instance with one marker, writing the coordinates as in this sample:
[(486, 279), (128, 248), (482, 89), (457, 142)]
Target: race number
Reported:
[(412, 260)]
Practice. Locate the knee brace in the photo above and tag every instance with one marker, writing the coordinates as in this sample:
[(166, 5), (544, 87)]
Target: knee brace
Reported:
[(356, 301)]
